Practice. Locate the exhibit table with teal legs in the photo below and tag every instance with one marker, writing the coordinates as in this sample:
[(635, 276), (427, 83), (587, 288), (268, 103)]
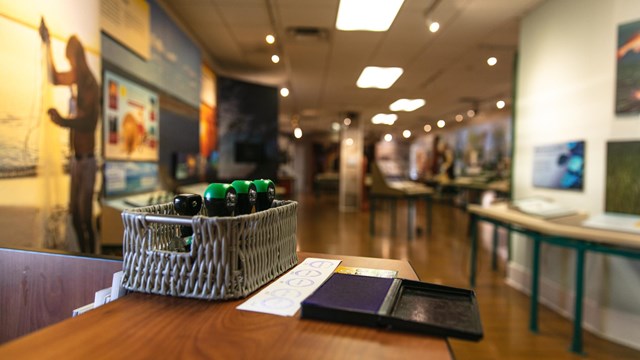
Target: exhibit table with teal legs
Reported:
[(568, 234), (411, 199)]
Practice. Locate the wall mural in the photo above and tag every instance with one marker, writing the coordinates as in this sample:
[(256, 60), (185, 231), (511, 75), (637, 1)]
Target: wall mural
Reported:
[(50, 94)]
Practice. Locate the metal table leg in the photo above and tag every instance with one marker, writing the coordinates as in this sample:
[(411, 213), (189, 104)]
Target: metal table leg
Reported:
[(393, 215), (473, 235), (372, 215), (535, 274), (494, 248), (576, 341), (411, 215)]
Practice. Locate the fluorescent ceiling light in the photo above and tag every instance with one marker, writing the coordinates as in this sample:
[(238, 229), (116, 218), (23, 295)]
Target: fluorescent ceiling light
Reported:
[(367, 15), (378, 77), (386, 119), (407, 104)]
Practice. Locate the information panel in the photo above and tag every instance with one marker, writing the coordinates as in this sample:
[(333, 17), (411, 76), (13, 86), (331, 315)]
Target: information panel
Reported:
[(131, 120)]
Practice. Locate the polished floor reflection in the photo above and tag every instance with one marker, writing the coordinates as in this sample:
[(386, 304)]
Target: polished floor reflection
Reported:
[(443, 257)]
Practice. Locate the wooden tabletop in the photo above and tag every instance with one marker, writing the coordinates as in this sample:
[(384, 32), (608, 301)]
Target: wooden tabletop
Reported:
[(567, 226), (163, 327)]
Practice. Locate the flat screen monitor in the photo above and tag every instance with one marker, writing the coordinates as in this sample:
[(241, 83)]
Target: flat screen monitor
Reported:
[(623, 177)]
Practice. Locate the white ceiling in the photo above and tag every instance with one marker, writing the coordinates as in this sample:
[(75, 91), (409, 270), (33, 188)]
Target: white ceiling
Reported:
[(448, 68)]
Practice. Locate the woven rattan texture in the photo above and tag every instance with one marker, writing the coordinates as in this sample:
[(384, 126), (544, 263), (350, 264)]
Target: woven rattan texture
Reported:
[(230, 257)]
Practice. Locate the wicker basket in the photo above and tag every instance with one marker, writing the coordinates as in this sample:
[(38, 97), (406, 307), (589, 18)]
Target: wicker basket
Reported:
[(230, 257)]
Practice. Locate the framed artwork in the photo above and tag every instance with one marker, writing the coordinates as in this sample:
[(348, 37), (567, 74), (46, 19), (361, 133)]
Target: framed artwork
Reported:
[(559, 166), (623, 172), (628, 69)]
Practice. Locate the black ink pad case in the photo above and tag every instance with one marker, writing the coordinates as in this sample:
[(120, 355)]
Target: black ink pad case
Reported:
[(397, 304)]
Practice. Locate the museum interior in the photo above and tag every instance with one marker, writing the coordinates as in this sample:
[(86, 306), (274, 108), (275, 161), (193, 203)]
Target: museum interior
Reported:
[(452, 179)]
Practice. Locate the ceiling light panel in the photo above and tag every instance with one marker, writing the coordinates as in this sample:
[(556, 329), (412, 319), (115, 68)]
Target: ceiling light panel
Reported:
[(367, 15), (378, 77), (384, 119), (407, 104)]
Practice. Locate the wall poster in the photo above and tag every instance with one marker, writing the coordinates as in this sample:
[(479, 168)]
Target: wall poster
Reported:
[(628, 69), (131, 120), (559, 166)]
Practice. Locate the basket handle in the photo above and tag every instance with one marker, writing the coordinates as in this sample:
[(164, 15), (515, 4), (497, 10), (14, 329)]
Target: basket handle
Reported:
[(168, 219)]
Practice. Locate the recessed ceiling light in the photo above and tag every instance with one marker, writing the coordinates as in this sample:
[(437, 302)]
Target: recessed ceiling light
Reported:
[(378, 77), (434, 26), (367, 15), (388, 137), (385, 119), (284, 92), (427, 128), (347, 121), (297, 132), (349, 141), (492, 61), (406, 104), (500, 104), (471, 113), (406, 134), (441, 123), (459, 117), (275, 59), (335, 126), (270, 39)]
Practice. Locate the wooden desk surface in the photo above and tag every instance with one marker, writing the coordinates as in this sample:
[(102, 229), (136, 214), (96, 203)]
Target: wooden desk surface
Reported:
[(567, 226), (162, 327)]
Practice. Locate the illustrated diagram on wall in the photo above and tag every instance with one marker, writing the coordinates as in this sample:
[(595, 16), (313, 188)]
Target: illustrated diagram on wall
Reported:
[(131, 120), (628, 72)]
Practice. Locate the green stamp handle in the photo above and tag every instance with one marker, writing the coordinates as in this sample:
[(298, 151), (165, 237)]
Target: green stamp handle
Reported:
[(220, 199), (247, 196)]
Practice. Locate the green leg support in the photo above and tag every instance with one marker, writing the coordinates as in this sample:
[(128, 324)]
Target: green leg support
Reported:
[(494, 248), (473, 235), (576, 342), (535, 274)]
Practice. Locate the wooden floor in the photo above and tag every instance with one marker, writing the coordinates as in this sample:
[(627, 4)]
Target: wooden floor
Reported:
[(443, 257)]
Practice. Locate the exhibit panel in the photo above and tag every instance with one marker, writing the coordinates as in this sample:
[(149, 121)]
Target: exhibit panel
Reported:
[(561, 99)]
